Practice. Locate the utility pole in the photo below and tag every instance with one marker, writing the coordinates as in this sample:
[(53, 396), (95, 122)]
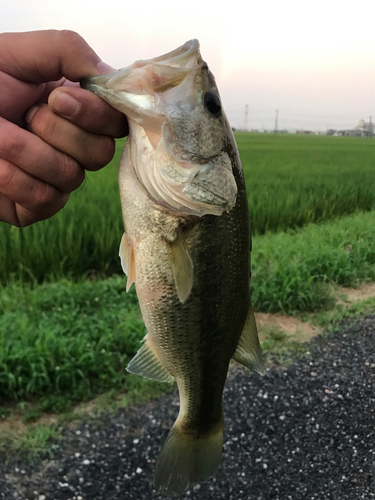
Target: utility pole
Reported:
[(370, 128), (246, 116), (276, 120)]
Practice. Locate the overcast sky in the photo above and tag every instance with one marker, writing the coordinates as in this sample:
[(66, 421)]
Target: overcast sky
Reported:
[(313, 61)]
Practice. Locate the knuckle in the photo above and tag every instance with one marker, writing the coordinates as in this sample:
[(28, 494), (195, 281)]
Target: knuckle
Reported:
[(101, 153), (42, 195), (72, 175), (70, 38), (11, 144), (7, 173), (44, 123)]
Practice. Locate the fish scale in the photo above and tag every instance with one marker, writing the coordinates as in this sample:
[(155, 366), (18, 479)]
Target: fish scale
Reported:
[(186, 247)]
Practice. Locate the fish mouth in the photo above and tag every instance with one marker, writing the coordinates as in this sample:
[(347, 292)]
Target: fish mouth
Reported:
[(182, 57), (150, 93), (136, 87)]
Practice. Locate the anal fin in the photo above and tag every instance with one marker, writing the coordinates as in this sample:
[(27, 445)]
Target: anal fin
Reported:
[(126, 254), (146, 363), (248, 351)]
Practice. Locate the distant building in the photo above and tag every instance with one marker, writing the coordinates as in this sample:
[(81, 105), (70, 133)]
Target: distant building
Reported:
[(305, 132), (350, 133), (363, 129)]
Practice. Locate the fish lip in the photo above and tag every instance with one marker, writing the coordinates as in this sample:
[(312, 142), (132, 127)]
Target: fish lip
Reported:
[(85, 83), (179, 62), (174, 56)]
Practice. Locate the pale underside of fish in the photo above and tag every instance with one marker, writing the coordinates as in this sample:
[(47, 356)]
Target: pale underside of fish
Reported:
[(186, 247)]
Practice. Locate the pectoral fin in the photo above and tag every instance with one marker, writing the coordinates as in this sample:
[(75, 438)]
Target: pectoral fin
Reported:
[(127, 260), (182, 266), (248, 351), (146, 363)]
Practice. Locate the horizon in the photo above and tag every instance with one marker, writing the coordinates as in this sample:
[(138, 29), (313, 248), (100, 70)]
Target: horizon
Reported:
[(310, 63)]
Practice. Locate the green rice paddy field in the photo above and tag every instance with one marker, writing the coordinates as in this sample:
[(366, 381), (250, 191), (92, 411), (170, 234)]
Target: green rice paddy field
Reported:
[(292, 180), (64, 337)]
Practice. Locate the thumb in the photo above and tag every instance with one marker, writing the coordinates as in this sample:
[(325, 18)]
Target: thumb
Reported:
[(43, 56)]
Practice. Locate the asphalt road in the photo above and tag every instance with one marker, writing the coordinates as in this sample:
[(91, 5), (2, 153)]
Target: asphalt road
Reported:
[(302, 433)]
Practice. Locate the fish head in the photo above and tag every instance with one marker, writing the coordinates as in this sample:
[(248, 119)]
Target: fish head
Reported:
[(179, 134)]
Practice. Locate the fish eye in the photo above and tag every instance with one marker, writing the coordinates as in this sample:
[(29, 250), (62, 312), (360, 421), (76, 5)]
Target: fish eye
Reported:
[(212, 103)]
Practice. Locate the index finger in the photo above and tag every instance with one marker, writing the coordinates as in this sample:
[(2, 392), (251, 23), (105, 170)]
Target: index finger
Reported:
[(43, 56), (88, 111)]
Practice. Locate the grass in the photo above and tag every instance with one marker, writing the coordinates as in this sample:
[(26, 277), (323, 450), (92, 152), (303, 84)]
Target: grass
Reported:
[(282, 348), (292, 181), (70, 339), (62, 342), (66, 334), (292, 270), (36, 441), (330, 319), (82, 240)]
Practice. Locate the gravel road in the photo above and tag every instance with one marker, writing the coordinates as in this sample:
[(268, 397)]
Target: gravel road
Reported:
[(302, 433)]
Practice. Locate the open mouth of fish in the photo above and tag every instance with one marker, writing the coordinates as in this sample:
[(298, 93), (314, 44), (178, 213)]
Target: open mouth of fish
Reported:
[(175, 118)]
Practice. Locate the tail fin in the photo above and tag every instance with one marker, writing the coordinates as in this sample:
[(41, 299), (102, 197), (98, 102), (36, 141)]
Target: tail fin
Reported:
[(187, 459)]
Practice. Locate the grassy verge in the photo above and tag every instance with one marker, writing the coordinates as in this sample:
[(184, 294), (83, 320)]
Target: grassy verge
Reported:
[(62, 342), (66, 339), (81, 240), (34, 442), (292, 271), (41, 440)]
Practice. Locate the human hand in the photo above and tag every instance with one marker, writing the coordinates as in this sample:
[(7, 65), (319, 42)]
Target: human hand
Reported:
[(41, 165)]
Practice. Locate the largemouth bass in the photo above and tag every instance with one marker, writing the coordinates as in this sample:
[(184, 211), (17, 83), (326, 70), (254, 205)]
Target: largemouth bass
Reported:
[(186, 247)]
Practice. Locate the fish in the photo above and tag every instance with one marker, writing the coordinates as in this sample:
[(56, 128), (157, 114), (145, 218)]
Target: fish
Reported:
[(186, 246)]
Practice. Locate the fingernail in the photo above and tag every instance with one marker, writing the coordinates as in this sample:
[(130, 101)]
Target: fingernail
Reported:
[(64, 104), (104, 68), (29, 115)]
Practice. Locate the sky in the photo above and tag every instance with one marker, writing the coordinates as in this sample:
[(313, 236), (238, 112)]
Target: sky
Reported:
[(314, 62)]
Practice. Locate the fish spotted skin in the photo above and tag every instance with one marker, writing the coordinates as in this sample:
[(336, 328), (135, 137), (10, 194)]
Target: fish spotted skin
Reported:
[(187, 248)]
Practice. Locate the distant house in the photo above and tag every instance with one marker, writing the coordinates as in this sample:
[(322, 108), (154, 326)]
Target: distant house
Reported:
[(363, 129), (350, 133)]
